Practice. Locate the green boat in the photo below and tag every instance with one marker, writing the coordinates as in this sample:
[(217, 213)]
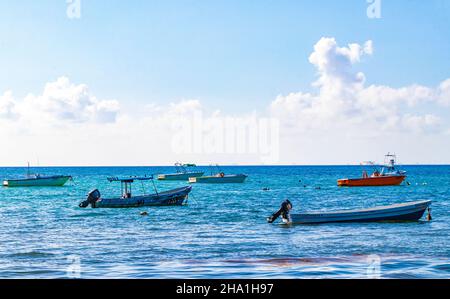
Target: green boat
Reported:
[(38, 180)]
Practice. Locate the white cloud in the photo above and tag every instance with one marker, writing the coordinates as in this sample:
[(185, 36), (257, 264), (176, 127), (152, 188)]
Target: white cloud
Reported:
[(334, 63), (63, 101), (342, 101), (342, 120), (444, 93), (7, 106), (420, 123)]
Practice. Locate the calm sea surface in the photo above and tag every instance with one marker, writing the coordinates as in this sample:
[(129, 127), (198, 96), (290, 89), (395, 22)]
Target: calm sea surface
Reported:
[(222, 232)]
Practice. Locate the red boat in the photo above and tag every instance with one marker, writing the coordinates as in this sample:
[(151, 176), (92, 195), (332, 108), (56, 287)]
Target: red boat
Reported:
[(388, 176)]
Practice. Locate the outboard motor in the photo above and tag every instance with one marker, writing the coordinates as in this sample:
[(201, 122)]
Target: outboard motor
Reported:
[(286, 206), (92, 198)]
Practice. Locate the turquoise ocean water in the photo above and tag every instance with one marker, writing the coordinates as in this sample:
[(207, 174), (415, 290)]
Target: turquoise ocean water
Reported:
[(222, 232)]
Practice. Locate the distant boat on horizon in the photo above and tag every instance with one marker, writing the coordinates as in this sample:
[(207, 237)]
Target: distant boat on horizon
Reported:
[(219, 177), (37, 180), (183, 173)]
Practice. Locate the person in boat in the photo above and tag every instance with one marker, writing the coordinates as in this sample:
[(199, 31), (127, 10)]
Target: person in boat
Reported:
[(284, 211), (365, 175), (376, 173)]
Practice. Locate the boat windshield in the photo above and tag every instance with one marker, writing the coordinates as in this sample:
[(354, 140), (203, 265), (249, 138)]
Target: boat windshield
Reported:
[(184, 168), (126, 182)]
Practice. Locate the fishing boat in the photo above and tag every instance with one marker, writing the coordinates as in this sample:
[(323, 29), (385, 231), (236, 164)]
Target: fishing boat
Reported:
[(183, 173), (389, 175), (218, 177), (173, 197), (409, 211), (37, 180)]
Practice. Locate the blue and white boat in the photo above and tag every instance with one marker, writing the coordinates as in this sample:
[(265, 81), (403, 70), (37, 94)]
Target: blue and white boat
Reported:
[(218, 177), (127, 200), (183, 173), (409, 211)]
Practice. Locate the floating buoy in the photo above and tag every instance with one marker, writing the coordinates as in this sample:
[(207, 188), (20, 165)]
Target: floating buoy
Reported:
[(144, 213), (429, 215)]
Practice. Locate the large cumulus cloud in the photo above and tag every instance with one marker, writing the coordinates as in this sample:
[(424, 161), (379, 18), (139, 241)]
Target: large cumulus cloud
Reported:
[(60, 102), (343, 101)]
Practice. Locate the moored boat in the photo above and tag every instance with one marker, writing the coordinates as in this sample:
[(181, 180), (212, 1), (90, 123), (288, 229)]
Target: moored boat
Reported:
[(372, 181), (37, 180), (183, 173), (219, 177), (127, 200), (409, 211), (389, 175)]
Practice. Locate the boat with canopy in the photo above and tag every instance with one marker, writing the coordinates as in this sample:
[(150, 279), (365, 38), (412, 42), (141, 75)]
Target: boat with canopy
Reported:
[(389, 175), (174, 197), (183, 173)]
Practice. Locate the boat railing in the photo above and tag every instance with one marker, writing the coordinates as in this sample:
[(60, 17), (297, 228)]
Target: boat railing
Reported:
[(129, 179)]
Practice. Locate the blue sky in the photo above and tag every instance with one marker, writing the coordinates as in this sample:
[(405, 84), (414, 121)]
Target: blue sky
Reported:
[(224, 52), (145, 64)]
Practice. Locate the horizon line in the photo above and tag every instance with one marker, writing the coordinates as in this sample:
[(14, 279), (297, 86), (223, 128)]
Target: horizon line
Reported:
[(221, 165)]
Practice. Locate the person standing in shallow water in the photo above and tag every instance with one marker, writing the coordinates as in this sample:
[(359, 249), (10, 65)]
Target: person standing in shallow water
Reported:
[(284, 210)]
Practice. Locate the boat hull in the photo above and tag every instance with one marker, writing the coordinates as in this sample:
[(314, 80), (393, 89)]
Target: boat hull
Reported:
[(412, 211), (54, 181), (179, 176), (372, 181), (227, 179), (174, 197)]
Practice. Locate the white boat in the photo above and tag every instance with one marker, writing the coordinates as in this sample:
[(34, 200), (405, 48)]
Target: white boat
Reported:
[(409, 211), (219, 177), (183, 173), (37, 180)]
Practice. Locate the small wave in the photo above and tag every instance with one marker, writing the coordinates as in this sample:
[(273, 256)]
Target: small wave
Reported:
[(93, 214), (30, 254)]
